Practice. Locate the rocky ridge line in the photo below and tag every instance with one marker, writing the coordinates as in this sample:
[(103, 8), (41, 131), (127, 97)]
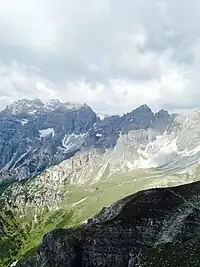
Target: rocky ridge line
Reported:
[(138, 230)]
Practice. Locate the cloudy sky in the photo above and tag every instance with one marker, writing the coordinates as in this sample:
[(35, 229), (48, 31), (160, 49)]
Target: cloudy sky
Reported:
[(112, 54)]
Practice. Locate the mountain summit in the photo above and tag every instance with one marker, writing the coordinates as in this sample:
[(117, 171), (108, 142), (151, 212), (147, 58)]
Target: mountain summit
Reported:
[(25, 106)]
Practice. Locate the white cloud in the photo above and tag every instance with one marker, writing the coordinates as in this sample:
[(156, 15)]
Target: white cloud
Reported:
[(112, 54), (27, 24), (19, 81)]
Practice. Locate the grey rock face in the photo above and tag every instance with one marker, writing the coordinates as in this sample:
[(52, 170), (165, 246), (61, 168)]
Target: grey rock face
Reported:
[(136, 231), (107, 131), (34, 136)]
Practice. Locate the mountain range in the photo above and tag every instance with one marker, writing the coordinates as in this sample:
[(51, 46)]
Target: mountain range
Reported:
[(61, 163), (35, 135)]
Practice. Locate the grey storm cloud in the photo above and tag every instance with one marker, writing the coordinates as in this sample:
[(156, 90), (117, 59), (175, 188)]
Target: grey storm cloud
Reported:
[(112, 54)]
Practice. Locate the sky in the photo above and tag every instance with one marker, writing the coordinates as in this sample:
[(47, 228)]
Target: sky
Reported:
[(114, 55)]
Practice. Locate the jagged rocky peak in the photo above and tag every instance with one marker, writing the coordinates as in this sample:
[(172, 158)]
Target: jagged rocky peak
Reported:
[(141, 117), (75, 105), (35, 135), (143, 108), (36, 105), (143, 111), (55, 104), (162, 114), (52, 104), (161, 119), (25, 105)]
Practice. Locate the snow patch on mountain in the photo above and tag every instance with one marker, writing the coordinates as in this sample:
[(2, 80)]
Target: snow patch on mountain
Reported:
[(73, 141), (45, 132), (20, 158), (14, 263), (102, 116), (157, 153), (166, 153), (32, 112), (25, 106), (24, 121)]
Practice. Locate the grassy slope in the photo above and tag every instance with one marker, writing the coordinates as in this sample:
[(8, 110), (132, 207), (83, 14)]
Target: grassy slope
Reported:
[(78, 203)]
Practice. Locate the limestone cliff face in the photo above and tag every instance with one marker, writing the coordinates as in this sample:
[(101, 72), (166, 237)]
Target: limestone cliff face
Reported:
[(158, 227)]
